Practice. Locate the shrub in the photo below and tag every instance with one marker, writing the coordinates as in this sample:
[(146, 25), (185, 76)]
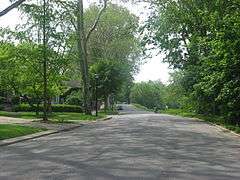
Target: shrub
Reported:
[(15, 100), (2, 100), (25, 107), (55, 108), (66, 108), (74, 101)]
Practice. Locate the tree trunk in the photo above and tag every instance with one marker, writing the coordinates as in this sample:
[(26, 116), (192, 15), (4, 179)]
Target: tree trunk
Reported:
[(106, 103), (11, 7), (37, 108), (45, 80), (82, 49), (49, 108)]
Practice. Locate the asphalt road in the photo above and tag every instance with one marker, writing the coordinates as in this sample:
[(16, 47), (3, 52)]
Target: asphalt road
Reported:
[(128, 147)]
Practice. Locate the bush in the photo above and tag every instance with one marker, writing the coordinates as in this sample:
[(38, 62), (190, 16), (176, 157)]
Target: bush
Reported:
[(1, 108), (74, 101), (55, 108), (25, 107), (15, 100), (66, 108), (2, 100), (74, 98)]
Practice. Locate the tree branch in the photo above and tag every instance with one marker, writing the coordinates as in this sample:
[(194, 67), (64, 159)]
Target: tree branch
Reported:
[(68, 11), (12, 6), (96, 20)]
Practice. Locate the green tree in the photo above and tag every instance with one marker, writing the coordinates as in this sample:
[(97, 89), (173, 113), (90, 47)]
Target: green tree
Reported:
[(201, 38), (149, 94), (82, 41), (11, 7), (21, 71), (116, 39), (111, 76)]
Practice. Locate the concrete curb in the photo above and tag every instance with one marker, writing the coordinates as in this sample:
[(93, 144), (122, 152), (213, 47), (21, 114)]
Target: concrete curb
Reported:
[(44, 133), (217, 126), (91, 121), (225, 129), (105, 119), (27, 137), (210, 123)]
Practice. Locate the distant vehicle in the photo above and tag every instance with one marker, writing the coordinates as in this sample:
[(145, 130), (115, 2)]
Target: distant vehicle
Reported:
[(119, 108)]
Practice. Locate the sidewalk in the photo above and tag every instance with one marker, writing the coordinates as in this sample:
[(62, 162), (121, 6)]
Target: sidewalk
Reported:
[(11, 120), (51, 128), (36, 123)]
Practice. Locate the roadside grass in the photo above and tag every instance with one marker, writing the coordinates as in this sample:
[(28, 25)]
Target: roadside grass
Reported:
[(208, 118), (71, 117), (55, 117), (179, 112), (141, 107), (109, 112), (10, 131)]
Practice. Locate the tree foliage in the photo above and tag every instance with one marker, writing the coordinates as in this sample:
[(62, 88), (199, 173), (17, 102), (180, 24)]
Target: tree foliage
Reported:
[(110, 77), (150, 94), (202, 39), (109, 46)]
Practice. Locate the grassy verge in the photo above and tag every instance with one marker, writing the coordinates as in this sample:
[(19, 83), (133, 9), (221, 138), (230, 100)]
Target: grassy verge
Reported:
[(209, 118), (109, 112), (57, 116), (138, 106), (66, 117), (10, 131)]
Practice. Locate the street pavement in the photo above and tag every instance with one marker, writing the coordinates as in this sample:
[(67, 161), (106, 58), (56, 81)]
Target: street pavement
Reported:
[(135, 146)]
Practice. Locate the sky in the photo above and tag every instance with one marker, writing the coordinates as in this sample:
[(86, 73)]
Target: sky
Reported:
[(153, 69)]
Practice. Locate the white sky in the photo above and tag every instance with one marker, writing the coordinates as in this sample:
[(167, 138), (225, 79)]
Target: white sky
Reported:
[(153, 69)]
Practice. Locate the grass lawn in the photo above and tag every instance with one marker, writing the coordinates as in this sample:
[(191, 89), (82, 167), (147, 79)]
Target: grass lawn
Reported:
[(10, 131), (58, 116), (209, 118)]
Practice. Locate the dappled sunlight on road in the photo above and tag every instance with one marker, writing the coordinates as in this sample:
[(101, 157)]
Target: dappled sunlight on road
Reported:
[(133, 146)]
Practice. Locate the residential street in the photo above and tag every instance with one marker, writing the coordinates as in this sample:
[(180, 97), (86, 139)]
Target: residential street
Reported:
[(135, 145)]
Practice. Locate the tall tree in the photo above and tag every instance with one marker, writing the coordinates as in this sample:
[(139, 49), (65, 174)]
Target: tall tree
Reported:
[(201, 38), (45, 64), (43, 44), (11, 7), (116, 35), (111, 76), (83, 39)]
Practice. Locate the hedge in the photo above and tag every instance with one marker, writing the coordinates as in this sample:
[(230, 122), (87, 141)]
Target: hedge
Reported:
[(55, 108)]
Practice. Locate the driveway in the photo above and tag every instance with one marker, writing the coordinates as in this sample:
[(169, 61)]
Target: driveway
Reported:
[(128, 147)]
